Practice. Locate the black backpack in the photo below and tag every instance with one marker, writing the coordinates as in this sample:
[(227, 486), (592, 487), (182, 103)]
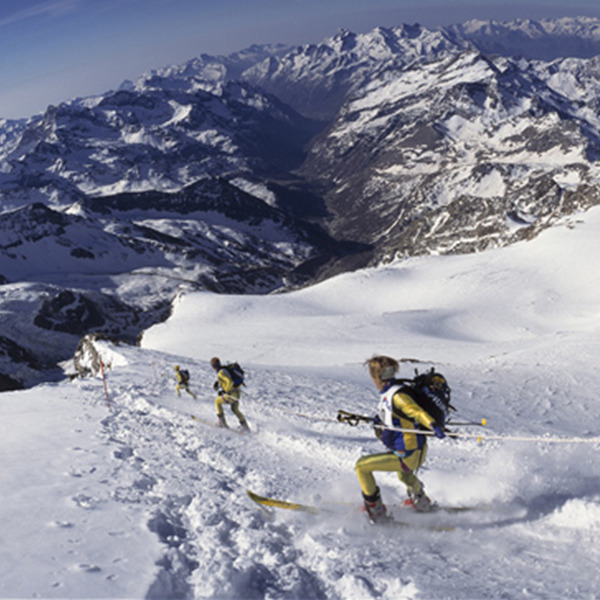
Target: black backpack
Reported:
[(431, 392), (185, 375), (236, 372)]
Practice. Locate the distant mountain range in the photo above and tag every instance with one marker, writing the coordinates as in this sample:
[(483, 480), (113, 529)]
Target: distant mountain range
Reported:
[(275, 167)]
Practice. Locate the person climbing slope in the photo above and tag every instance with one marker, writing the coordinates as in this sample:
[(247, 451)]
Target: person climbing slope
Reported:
[(229, 393), (406, 450), (183, 380)]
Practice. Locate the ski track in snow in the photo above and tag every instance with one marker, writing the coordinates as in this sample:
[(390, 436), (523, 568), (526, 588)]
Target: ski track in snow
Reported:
[(184, 483)]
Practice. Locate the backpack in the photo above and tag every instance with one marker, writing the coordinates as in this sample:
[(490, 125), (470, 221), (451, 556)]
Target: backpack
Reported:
[(236, 372), (185, 375), (431, 392)]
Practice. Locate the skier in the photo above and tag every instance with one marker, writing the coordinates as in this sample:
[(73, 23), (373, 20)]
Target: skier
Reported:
[(229, 393), (183, 379), (406, 452)]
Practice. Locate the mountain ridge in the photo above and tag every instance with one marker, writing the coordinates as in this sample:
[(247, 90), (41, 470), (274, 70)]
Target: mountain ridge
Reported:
[(275, 167)]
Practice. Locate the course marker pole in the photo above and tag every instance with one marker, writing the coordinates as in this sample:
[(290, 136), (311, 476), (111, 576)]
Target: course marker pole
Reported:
[(104, 381)]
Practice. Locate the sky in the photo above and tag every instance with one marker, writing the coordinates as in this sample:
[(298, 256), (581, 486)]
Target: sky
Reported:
[(55, 50)]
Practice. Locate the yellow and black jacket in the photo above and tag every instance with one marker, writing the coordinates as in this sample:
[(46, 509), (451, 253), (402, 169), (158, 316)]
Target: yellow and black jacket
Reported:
[(227, 385)]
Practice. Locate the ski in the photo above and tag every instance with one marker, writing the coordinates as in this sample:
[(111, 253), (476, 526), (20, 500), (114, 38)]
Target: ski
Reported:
[(453, 510), (213, 424), (276, 503), (265, 501), (461, 509)]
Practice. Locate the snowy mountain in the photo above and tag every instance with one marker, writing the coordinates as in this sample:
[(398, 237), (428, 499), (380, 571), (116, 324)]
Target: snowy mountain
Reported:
[(276, 167), (116, 492), (462, 154), (544, 39), (118, 261), (135, 194), (162, 136), (433, 145), (316, 79)]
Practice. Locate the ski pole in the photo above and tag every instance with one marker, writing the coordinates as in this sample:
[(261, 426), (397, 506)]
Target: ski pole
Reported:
[(104, 381), (352, 419), (548, 440), (479, 437), (511, 438), (481, 423)]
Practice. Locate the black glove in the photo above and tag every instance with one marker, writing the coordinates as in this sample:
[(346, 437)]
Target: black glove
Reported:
[(216, 386), (378, 431)]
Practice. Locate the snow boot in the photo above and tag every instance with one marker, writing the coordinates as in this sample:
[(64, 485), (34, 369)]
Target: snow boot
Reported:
[(420, 501), (375, 508), (221, 421), (244, 426)]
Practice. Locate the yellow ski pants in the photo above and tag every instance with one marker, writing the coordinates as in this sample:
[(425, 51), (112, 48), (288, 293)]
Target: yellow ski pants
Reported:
[(233, 399), (184, 386), (388, 461)]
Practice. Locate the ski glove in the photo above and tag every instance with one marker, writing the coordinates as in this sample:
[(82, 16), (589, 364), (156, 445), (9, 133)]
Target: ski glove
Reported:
[(378, 431), (216, 386), (439, 432)]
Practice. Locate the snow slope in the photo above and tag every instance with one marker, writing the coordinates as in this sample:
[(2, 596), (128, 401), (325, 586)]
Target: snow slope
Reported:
[(137, 500)]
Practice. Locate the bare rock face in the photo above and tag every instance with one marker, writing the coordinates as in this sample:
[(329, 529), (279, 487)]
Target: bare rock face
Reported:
[(87, 359)]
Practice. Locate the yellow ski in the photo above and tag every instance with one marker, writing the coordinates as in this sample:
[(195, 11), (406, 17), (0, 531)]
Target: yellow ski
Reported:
[(315, 510), (274, 502)]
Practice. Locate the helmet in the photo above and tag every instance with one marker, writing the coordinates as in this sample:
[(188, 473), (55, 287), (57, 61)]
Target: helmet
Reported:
[(177, 367), (215, 362)]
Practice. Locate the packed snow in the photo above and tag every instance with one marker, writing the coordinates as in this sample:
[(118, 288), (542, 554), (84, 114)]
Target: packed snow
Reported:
[(111, 490)]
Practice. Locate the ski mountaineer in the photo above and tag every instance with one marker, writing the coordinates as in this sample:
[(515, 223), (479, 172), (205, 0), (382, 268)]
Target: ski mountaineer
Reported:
[(229, 393), (183, 379), (407, 450)]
